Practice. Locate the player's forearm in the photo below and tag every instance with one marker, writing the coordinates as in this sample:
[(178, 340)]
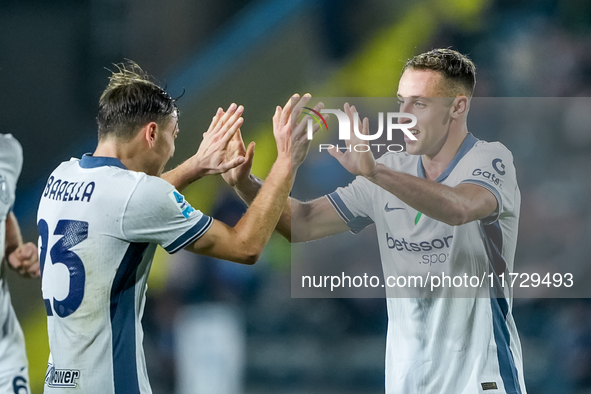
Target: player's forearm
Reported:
[(249, 189), (183, 175), (433, 199), (13, 234), (284, 223), (257, 225)]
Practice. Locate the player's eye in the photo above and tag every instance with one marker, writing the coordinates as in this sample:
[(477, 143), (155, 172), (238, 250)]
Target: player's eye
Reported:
[(420, 104)]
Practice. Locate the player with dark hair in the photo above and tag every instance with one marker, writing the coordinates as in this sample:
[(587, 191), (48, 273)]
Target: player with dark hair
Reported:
[(101, 217), (451, 192)]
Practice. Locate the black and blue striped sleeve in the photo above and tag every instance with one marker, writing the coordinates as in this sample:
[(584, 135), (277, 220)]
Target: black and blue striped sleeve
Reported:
[(353, 204)]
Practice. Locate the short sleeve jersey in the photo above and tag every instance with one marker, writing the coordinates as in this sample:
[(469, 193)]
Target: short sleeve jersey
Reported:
[(99, 225), (12, 344), (446, 344)]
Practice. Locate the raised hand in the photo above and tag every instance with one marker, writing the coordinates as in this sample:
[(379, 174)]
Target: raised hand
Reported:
[(299, 135), (240, 173), (357, 163), (212, 156), (25, 260), (285, 124), (282, 128)]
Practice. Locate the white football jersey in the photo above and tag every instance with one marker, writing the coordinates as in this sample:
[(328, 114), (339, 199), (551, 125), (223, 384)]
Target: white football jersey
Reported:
[(446, 344), (99, 225), (13, 358)]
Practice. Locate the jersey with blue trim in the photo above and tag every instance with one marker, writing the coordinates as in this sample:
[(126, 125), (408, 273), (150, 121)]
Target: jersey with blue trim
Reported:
[(451, 341), (99, 225), (12, 343)]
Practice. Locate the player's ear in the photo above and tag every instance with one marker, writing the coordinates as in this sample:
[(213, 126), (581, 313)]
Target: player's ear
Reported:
[(149, 133), (460, 106)]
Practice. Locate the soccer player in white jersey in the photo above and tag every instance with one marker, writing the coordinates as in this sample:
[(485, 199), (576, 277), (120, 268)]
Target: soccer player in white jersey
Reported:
[(101, 217), (14, 374), (450, 193)]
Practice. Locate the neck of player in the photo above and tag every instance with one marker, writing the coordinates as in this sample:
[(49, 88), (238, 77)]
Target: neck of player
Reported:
[(435, 164), (130, 154)]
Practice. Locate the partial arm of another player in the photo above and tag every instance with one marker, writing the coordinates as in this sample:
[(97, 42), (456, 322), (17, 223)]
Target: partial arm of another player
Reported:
[(211, 156), (452, 205), (244, 242), (299, 221), (21, 257)]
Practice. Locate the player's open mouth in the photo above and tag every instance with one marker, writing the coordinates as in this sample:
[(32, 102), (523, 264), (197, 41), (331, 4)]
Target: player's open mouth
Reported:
[(411, 139)]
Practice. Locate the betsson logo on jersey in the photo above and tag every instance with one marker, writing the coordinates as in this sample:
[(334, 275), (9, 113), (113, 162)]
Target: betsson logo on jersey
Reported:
[(345, 129), (438, 249), (182, 204), (423, 246)]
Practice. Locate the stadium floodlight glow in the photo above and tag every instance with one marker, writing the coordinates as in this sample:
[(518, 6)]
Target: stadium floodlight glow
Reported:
[(345, 124)]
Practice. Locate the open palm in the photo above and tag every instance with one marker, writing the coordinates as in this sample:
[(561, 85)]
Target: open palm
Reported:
[(358, 161)]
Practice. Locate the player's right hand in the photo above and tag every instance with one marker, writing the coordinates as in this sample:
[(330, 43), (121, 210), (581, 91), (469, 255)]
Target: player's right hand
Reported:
[(290, 135), (212, 155), (356, 162), (25, 260)]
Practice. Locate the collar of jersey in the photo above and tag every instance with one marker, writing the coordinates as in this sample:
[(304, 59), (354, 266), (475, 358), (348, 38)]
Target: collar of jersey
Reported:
[(467, 144), (90, 161)]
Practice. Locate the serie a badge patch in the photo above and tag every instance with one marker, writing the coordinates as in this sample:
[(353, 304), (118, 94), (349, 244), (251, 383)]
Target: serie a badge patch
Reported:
[(182, 204)]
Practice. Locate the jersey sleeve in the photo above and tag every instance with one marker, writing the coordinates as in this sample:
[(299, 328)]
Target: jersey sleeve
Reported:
[(354, 204), (490, 165), (157, 213)]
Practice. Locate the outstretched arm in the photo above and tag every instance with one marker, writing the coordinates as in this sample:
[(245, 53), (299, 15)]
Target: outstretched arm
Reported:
[(212, 156), (299, 221), (21, 257), (452, 205)]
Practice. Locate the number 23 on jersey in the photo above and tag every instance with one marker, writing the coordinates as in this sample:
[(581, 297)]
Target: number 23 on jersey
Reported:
[(65, 263)]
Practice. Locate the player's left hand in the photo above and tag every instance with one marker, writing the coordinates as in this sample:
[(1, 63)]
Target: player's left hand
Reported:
[(25, 260), (241, 173), (357, 163)]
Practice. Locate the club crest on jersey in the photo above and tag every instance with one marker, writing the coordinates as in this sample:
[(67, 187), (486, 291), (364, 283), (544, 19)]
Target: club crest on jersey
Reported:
[(184, 207), (4, 193), (61, 377)]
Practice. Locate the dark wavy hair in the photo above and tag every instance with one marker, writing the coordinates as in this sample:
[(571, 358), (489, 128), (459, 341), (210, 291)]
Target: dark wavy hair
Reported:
[(130, 101), (459, 71)]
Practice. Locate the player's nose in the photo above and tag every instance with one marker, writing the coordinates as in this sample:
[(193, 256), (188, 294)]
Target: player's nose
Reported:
[(402, 119)]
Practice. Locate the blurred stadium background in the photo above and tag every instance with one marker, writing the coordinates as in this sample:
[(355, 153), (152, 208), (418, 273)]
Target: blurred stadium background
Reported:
[(238, 325)]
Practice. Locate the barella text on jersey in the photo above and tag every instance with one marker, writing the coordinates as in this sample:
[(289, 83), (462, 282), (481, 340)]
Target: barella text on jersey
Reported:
[(63, 190)]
